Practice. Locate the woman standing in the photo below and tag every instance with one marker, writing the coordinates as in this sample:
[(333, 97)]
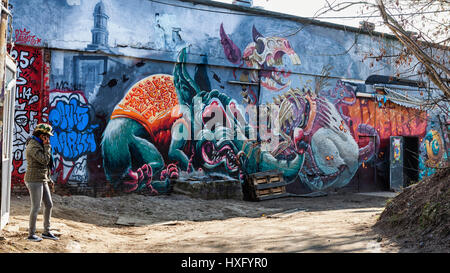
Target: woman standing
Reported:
[(37, 179)]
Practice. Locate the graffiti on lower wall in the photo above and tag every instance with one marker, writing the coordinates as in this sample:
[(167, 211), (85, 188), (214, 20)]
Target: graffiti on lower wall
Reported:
[(134, 122), (139, 132), (160, 135), (73, 138), (156, 131), (30, 103), (151, 135)]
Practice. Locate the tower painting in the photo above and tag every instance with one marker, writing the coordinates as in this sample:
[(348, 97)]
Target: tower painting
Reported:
[(100, 31)]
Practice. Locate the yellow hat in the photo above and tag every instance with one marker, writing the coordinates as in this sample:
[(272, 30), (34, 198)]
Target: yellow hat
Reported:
[(44, 128)]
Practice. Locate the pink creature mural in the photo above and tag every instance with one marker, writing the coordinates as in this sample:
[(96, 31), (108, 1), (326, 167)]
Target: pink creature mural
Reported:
[(264, 54)]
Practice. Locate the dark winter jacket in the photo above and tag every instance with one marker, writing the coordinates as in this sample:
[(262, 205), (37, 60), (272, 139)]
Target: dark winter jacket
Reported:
[(38, 158)]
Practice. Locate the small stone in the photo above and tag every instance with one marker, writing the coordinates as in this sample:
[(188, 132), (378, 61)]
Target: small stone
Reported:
[(2, 238), (379, 239)]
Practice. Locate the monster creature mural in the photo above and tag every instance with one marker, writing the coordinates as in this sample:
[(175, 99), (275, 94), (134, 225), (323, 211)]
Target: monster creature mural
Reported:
[(341, 95), (332, 156), (164, 126), (433, 153), (264, 54)]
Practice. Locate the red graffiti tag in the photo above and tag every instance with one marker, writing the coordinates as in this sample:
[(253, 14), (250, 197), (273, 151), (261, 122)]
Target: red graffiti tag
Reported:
[(24, 37), (30, 105)]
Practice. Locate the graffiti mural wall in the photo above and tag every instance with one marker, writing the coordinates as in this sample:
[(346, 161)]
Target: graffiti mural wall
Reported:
[(137, 96), (31, 103)]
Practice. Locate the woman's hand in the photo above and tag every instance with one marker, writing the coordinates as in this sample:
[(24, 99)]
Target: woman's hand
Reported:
[(51, 185)]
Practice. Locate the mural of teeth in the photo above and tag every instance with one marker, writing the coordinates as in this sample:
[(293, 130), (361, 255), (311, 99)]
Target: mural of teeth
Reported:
[(215, 157), (295, 59)]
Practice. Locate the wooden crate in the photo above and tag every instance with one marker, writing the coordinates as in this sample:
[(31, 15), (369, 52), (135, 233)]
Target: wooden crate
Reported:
[(264, 185)]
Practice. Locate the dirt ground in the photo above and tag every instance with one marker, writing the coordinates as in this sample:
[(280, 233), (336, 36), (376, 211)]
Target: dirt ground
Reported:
[(420, 213), (339, 222)]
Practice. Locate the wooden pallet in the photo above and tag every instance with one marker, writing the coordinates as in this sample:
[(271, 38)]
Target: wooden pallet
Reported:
[(264, 185)]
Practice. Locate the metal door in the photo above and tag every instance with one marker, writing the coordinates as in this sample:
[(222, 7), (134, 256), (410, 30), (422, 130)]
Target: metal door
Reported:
[(396, 163), (7, 139)]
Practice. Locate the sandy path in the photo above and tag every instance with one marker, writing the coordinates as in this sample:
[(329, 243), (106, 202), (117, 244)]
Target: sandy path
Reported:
[(176, 223)]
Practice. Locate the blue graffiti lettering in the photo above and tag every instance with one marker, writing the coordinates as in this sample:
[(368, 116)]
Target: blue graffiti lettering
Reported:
[(68, 116), (72, 145), (73, 135)]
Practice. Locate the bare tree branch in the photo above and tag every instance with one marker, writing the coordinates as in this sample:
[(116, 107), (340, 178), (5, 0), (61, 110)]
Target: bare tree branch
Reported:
[(431, 65)]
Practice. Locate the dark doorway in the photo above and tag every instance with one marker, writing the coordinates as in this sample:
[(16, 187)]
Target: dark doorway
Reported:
[(410, 160), (366, 173)]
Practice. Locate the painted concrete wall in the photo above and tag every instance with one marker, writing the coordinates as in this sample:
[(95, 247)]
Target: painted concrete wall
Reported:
[(119, 85)]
